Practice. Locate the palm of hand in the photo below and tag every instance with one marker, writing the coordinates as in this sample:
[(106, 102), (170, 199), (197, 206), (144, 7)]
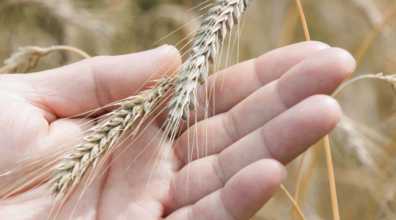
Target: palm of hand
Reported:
[(227, 171)]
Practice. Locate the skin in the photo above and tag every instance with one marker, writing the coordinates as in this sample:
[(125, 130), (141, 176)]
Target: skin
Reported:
[(268, 111)]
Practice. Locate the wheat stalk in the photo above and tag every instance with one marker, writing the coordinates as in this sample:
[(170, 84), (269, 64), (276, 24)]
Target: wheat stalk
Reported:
[(326, 139), (103, 137), (390, 79), (219, 21)]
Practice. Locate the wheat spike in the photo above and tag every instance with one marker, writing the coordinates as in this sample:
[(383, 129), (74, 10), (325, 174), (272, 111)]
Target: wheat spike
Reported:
[(104, 136), (24, 59), (27, 58), (219, 21), (362, 146), (194, 72)]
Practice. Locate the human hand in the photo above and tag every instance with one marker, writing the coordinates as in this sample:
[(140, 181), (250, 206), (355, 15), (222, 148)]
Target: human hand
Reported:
[(268, 111)]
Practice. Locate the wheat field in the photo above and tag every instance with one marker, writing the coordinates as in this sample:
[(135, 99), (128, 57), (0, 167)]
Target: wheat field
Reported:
[(363, 144)]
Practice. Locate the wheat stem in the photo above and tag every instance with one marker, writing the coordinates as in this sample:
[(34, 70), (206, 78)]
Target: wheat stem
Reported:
[(332, 181), (294, 202), (303, 20), (66, 48), (391, 79), (329, 160), (300, 177)]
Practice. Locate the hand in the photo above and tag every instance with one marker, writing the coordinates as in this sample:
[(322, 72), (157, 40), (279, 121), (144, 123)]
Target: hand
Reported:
[(224, 167)]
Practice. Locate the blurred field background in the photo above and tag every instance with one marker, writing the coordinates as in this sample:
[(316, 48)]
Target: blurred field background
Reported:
[(364, 142)]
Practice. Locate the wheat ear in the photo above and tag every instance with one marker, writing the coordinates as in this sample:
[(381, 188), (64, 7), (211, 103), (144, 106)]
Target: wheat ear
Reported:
[(27, 58), (208, 41), (103, 137)]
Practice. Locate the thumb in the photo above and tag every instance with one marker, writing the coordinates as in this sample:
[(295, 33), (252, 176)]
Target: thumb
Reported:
[(92, 83)]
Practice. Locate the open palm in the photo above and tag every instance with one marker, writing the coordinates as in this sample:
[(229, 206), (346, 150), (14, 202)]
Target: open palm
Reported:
[(224, 167)]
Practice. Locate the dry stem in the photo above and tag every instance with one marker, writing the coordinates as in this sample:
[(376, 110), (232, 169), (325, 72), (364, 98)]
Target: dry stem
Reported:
[(391, 79), (329, 160), (303, 20), (294, 202), (331, 175)]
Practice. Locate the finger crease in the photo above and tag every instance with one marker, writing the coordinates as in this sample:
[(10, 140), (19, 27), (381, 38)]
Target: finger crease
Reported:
[(230, 126), (227, 211), (219, 171), (282, 101), (265, 144), (102, 95), (258, 75)]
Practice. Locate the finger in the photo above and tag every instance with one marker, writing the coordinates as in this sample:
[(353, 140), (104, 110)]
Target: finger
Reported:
[(283, 139), (241, 197), (245, 78), (319, 74), (28, 137), (21, 124), (95, 82)]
